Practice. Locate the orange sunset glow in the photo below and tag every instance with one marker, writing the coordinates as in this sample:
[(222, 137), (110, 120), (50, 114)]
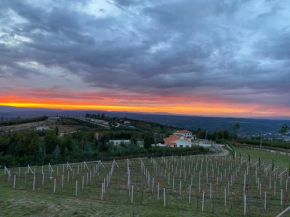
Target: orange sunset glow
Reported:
[(197, 108)]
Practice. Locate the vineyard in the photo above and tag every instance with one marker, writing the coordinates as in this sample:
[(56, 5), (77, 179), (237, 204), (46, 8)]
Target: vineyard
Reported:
[(202, 185)]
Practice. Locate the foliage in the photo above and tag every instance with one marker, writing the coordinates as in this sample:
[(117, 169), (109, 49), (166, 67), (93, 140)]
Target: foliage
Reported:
[(28, 147), (148, 140), (267, 143), (50, 142), (236, 127), (102, 142), (22, 121), (284, 129)]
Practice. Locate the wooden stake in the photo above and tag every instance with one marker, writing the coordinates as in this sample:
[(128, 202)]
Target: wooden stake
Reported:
[(245, 204), (158, 191), (14, 181), (33, 183), (132, 194), (164, 197), (225, 197), (202, 205), (189, 195), (83, 182), (54, 185), (76, 188), (265, 201), (281, 196), (102, 194), (210, 190)]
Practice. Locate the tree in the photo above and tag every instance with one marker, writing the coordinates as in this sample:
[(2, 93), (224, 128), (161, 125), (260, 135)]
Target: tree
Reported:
[(148, 139), (17, 144), (32, 141), (67, 142), (221, 134), (236, 127), (23, 143), (56, 130), (284, 129), (50, 142), (134, 138), (102, 142)]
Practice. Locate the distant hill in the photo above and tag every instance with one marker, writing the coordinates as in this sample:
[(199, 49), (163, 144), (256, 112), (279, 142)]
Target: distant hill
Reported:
[(248, 126)]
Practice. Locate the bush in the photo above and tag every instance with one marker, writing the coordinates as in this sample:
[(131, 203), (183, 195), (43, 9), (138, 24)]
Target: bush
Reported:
[(278, 144)]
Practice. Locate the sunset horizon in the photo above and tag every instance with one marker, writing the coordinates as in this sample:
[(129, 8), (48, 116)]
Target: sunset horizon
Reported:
[(142, 110)]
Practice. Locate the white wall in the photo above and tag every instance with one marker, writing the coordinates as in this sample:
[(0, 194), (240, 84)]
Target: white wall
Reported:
[(119, 142), (183, 143)]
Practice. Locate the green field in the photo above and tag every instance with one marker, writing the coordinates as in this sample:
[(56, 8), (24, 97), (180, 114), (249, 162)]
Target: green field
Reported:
[(219, 172), (279, 160)]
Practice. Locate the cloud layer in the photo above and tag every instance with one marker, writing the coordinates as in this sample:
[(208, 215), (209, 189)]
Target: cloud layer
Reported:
[(149, 53)]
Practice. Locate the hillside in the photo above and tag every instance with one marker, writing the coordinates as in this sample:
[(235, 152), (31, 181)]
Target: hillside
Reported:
[(211, 124)]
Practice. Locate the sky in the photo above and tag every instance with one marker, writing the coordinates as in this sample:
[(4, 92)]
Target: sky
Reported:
[(189, 57)]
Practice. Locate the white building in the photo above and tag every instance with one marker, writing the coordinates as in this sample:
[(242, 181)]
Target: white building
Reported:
[(127, 123), (185, 133), (121, 141), (159, 145), (178, 141), (41, 128)]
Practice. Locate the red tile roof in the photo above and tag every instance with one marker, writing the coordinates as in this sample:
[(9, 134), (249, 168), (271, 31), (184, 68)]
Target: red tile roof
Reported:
[(183, 131), (171, 140)]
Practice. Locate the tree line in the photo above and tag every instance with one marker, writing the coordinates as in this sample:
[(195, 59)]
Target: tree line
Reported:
[(22, 121), (33, 147)]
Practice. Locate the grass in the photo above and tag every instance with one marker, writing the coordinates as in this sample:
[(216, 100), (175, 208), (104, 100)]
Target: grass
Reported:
[(23, 201), (279, 160)]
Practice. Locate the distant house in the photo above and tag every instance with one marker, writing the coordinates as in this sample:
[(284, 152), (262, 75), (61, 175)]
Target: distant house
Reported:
[(54, 117), (159, 145), (120, 141), (127, 123), (104, 122), (98, 121), (97, 135), (185, 133), (40, 128), (177, 141)]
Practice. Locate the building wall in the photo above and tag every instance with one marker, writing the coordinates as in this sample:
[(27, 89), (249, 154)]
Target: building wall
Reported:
[(182, 143), (119, 142)]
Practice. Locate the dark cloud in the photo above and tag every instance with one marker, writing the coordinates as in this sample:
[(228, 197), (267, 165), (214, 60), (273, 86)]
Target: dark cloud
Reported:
[(218, 47)]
